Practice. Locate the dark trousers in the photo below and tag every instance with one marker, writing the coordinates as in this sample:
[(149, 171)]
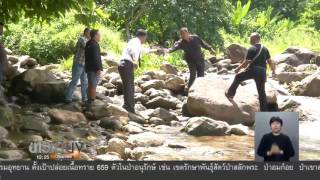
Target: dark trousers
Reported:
[(259, 76), (196, 69), (126, 71)]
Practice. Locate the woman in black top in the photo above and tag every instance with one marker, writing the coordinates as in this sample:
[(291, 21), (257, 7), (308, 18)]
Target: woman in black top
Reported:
[(93, 63)]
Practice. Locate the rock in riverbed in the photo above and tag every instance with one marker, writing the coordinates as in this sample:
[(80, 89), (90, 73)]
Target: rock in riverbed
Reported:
[(203, 126), (146, 139), (66, 117)]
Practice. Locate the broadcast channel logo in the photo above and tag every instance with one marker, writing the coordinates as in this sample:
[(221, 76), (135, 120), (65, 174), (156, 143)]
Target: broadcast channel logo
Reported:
[(58, 150)]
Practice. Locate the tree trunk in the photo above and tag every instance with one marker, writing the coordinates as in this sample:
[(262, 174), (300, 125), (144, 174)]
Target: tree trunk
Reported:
[(128, 32)]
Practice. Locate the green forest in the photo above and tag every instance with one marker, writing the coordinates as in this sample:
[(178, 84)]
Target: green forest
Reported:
[(48, 29)]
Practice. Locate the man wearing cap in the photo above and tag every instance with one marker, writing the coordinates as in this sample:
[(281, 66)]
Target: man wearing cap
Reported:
[(255, 68), (130, 58), (275, 146), (191, 45)]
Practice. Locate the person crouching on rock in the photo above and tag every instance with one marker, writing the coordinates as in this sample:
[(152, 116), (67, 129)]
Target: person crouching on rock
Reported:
[(78, 69), (93, 64), (191, 45), (130, 58), (255, 68)]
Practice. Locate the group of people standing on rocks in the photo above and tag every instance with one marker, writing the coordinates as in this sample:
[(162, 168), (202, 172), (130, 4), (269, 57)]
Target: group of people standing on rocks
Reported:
[(88, 61), (190, 44), (87, 65)]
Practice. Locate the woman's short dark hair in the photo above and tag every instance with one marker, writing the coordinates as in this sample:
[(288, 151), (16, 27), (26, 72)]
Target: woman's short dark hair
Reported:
[(86, 30), (141, 33), (93, 33), (276, 119)]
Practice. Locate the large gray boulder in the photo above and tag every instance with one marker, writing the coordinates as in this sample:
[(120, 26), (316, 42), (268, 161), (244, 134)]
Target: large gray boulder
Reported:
[(309, 86), (306, 107), (287, 58), (66, 117), (35, 125), (236, 53), (175, 84), (303, 54), (288, 77), (40, 85), (206, 98)]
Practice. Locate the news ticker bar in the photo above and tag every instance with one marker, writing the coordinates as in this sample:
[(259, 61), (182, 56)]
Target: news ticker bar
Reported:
[(145, 167)]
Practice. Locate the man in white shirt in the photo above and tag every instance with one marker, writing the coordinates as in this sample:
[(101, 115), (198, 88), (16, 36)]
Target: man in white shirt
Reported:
[(129, 59)]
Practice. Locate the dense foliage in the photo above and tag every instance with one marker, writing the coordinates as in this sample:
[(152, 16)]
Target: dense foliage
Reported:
[(43, 10), (49, 43), (48, 30), (163, 18), (311, 15)]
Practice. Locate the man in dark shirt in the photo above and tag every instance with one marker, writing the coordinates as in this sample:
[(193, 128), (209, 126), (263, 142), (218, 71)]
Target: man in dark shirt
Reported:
[(255, 68), (275, 146), (93, 63), (191, 45)]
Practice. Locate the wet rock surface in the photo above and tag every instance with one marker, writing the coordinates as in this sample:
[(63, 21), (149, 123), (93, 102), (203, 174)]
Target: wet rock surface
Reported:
[(169, 124)]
